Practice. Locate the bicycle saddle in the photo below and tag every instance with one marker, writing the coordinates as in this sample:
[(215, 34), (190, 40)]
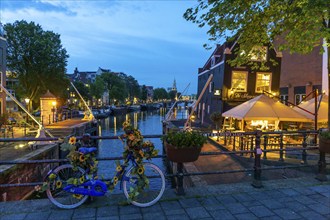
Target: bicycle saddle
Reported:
[(87, 150)]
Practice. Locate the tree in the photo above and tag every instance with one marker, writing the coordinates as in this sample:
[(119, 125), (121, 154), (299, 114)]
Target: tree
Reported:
[(38, 58), (302, 24), (144, 93), (172, 94), (160, 93), (132, 86), (97, 88), (116, 86)]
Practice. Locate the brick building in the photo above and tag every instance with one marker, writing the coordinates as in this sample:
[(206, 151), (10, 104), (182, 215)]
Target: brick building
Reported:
[(301, 74)]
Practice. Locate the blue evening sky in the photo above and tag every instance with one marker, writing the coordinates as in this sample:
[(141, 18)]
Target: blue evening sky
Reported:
[(149, 40)]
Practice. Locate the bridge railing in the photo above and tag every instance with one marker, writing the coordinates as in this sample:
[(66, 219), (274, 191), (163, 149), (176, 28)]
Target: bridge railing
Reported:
[(257, 143)]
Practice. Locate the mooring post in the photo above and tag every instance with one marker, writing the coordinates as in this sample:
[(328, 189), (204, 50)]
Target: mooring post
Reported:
[(321, 176), (179, 184), (281, 147), (265, 147), (257, 164), (304, 153)]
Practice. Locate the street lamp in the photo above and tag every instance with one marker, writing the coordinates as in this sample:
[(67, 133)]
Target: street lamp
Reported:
[(53, 110), (27, 101)]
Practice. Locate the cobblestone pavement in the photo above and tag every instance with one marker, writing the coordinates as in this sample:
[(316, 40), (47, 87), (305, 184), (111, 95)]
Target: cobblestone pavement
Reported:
[(300, 198)]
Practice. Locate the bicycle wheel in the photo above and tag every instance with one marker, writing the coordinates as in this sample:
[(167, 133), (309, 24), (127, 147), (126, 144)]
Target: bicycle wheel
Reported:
[(55, 192), (150, 194)]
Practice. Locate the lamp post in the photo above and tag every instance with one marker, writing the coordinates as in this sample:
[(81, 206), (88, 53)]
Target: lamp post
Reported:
[(53, 110), (27, 102)]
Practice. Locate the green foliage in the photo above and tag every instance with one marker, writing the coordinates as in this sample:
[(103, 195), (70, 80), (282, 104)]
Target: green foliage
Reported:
[(216, 117), (144, 93), (172, 94), (3, 119), (185, 139), (116, 86), (160, 93), (97, 88), (38, 59), (325, 134)]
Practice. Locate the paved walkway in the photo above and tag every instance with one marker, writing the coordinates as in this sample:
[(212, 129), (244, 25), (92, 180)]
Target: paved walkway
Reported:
[(303, 198)]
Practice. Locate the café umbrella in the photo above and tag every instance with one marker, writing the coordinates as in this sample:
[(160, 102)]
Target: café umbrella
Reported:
[(264, 107), (322, 108)]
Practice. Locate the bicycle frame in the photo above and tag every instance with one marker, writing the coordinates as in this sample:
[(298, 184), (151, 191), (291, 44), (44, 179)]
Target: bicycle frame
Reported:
[(94, 187)]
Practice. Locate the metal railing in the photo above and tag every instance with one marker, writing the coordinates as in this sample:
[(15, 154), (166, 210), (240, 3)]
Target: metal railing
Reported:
[(256, 140)]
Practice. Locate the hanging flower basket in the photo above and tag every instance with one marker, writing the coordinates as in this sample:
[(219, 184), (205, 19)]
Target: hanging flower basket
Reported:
[(182, 155), (324, 144)]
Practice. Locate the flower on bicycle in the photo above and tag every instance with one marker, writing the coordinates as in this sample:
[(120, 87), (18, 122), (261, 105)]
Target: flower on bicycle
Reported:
[(72, 140), (82, 158), (115, 180), (82, 179), (77, 196), (58, 184), (140, 170), (119, 168), (37, 188)]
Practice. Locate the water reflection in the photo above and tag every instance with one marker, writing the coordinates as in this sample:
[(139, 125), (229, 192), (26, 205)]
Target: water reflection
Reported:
[(149, 123)]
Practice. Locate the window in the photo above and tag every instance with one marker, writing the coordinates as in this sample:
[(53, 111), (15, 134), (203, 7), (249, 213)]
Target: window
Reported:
[(258, 53), (284, 99), (239, 81), (263, 82), (299, 98)]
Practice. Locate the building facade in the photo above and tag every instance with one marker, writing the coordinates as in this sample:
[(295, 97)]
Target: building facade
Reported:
[(301, 74), (232, 86)]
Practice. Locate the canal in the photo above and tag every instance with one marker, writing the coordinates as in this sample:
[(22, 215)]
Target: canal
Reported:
[(149, 123)]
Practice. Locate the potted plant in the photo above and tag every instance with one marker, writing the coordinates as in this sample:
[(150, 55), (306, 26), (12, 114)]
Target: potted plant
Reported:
[(324, 141), (183, 146)]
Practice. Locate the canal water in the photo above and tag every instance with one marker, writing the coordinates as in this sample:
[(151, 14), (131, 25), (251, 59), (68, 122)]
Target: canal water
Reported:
[(148, 122)]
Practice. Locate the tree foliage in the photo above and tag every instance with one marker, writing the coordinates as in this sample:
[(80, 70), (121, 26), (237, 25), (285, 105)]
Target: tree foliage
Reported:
[(160, 93), (116, 86), (97, 88), (144, 93), (295, 25), (38, 58)]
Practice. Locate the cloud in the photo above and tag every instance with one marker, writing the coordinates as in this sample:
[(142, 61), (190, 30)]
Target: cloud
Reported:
[(140, 37)]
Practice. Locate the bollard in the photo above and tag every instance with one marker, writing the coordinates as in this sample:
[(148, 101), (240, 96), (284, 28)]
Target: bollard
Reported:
[(257, 164), (251, 147), (281, 147), (179, 184), (321, 176), (304, 153), (265, 147)]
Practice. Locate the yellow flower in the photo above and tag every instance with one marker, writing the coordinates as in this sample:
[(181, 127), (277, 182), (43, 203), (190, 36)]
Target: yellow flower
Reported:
[(58, 184), (37, 188), (82, 179), (77, 196), (72, 140), (140, 170), (119, 168), (82, 158), (141, 153), (115, 180)]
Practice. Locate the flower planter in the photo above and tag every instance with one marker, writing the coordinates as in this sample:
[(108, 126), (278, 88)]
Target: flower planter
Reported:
[(324, 144), (182, 155)]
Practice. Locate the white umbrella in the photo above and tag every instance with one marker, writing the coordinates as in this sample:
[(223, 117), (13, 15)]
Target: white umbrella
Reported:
[(263, 107), (322, 113)]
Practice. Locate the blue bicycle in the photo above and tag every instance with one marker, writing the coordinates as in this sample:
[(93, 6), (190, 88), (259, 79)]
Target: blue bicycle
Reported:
[(70, 186)]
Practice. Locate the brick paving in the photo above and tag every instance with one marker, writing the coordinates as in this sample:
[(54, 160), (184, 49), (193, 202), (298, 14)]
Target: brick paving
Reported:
[(299, 198)]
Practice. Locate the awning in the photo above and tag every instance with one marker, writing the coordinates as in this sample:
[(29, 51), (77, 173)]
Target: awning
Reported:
[(263, 107), (310, 106)]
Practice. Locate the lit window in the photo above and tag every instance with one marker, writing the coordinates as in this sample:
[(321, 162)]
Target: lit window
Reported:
[(239, 81), (299, 98), (263, 82), (258, 53)]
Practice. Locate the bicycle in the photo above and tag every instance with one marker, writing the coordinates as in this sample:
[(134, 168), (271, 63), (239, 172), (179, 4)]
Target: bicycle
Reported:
[(69, 186)]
